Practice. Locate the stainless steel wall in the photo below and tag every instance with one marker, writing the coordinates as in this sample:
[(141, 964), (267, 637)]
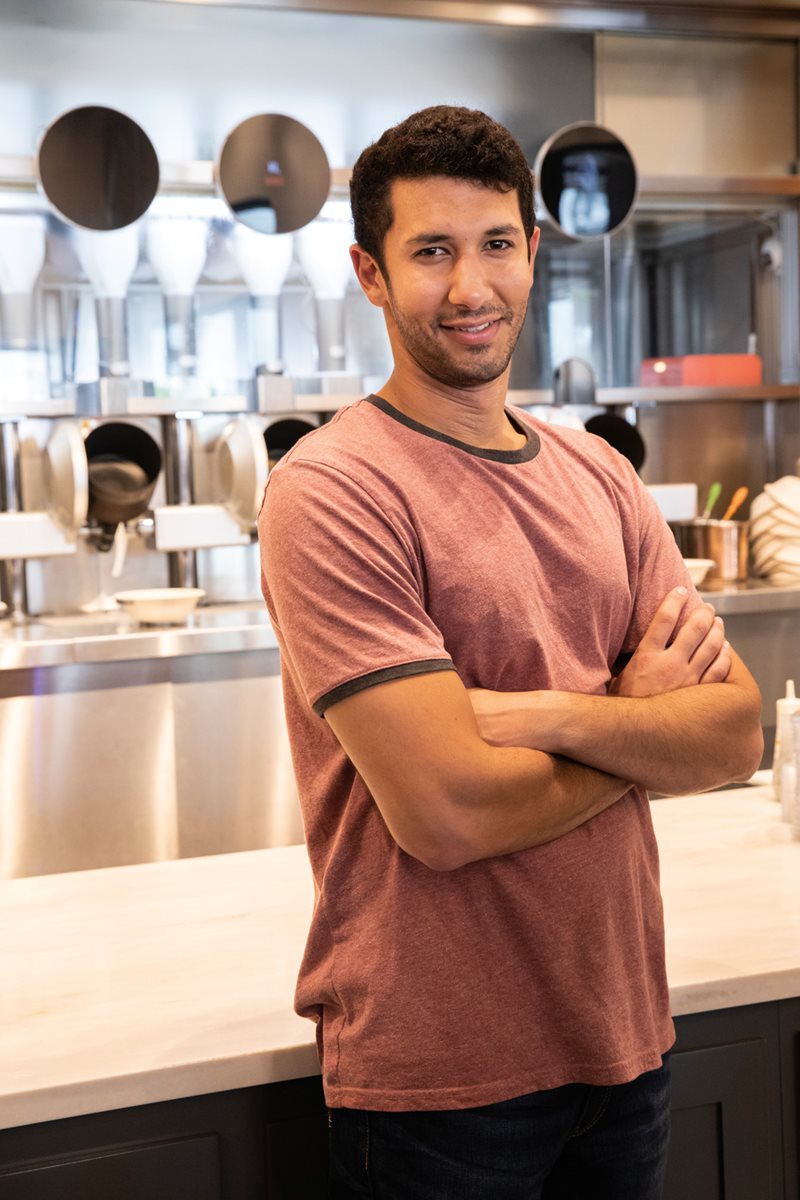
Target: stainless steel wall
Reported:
[(704, 441), (189, 73), (112, 763)]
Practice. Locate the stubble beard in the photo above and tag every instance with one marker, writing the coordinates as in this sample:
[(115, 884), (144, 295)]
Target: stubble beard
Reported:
[(482, 364)]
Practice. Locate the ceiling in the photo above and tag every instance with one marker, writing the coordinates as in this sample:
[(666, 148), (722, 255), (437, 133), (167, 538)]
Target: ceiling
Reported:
[(747, 18)]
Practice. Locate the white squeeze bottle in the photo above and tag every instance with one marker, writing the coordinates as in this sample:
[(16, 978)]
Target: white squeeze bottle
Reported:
[(784, 748), (794, 808)]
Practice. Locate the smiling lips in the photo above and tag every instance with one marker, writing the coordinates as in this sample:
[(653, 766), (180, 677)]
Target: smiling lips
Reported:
[(475, 333)]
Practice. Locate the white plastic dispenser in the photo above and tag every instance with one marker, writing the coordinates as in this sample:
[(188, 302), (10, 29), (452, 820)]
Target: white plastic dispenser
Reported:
[(264, 261), (176, 247), (109, 260), (323, 248), (22, 250)]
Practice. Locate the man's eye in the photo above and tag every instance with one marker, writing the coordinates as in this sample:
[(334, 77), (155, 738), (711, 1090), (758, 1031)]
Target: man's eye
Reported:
[(498, 244), (431, 252)]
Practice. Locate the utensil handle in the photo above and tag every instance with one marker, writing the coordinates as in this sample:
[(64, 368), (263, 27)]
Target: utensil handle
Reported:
[(713, 497), (738, 498)]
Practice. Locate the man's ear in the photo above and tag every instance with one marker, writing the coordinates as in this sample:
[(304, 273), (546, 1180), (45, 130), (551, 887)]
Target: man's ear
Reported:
[(535, 240), (534, 246), (369, 275)]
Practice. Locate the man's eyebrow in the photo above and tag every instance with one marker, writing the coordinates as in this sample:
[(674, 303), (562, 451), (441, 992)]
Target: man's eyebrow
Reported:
[(426, 239), (503, 231)]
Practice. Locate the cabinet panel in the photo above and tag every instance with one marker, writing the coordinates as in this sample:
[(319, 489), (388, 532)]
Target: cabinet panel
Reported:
[(726, 1142), (183, 1170), (201, 1148), (790, 1078), (297, 1158), (297, 1140), (695, 1162)]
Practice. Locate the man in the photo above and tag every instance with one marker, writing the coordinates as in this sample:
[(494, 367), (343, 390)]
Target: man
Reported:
[(487, 638)]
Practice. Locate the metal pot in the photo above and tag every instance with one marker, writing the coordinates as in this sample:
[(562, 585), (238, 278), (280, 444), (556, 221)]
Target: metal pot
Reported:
[(726, 542), (620, 434), (124, 465)]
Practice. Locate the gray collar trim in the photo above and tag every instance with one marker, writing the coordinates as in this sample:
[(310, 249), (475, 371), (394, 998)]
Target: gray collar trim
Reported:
[(524, 454)]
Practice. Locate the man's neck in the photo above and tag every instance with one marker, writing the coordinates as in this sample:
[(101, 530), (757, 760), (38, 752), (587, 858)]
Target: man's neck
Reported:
[(475, 416)]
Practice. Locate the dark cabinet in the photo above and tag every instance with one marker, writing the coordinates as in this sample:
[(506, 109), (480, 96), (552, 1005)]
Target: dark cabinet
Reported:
[(726, 1111), (162, 1171), (296, 1124), (790, 1094), (267, 1143)]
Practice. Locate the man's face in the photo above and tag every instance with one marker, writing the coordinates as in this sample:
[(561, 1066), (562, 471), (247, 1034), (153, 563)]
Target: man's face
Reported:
[(458, 274)]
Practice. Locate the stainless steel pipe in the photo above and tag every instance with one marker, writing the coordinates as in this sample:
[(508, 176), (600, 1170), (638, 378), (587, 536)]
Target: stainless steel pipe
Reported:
[(12, 571)]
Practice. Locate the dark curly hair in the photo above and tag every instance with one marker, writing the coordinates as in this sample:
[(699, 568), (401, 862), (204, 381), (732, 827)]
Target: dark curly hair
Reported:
[(462, 143)]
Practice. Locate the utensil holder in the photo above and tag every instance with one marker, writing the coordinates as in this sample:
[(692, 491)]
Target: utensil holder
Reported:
[(726, 542)]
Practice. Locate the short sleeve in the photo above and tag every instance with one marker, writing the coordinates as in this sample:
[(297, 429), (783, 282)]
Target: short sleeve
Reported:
[(343, 583)]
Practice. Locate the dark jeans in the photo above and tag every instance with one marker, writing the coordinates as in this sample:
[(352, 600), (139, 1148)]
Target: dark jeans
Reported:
[(570, 1143)]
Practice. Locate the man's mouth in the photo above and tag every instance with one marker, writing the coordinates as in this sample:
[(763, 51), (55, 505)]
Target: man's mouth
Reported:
[(472, 332), (470, 328), (477, 321)]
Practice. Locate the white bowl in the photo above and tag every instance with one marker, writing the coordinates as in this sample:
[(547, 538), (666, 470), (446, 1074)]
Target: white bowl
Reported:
[(761, 505), (764, 536), (764, 548), (783, 578), (698, 568), (554, 414), (785, 516), (765, 570), (782, 529), (788, 555), (762, 524), (786, 491), (160, 606)]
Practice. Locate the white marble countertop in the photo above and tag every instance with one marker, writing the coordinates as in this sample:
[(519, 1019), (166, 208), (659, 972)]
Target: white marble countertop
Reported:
[(730, 878), (137, 984)]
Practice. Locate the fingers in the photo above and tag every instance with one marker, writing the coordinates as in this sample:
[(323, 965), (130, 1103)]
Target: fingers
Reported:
[(694, 631), (719, 669), (709, 648), (662, 626)]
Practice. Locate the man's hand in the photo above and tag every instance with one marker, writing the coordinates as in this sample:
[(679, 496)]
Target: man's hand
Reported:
[(657, 727), (698, 654)]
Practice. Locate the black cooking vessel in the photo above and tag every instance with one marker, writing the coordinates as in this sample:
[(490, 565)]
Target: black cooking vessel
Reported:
[(620, 434), (124, 465)]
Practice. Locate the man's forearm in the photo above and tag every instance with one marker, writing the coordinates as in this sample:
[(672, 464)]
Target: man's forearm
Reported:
[(453, 799), (513, 801), (682, 741)]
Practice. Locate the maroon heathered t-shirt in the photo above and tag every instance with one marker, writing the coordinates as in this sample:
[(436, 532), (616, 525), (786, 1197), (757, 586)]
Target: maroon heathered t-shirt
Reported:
[(390, 550)]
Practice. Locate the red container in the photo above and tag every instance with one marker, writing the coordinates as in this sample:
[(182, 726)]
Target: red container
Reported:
[(702, 370)]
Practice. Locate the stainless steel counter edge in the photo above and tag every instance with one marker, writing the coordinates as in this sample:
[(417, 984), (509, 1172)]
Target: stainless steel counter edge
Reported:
[(55, 641), (755, 596), (59, 641)]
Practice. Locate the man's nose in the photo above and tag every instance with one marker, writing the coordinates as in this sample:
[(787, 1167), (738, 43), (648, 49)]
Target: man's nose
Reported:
[(469, 287)]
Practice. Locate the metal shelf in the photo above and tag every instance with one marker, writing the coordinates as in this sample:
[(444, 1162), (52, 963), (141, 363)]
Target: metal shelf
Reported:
[(646, 397), (18, 173)]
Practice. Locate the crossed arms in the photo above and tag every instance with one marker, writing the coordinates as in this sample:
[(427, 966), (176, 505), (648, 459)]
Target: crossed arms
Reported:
[(461, 776)]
